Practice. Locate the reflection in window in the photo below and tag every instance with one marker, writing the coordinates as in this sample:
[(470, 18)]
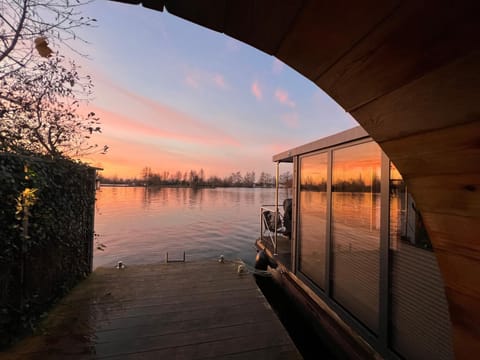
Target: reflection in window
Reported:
[(417, 298), (356, 230), (408, 225), (313, 217)]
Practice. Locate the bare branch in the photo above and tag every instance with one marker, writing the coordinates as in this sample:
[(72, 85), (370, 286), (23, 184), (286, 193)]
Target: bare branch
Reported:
[(23, 21), (17, 31)]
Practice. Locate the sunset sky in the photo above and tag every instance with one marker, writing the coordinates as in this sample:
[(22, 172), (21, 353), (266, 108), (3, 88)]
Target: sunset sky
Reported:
[(176, 96)]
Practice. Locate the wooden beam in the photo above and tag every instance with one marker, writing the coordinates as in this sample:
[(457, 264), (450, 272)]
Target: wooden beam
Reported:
[(445, 97), (410, 44), (465, 319), (443, 227), (261, 23), (208, 13), (451, 194), (452, 150), (325, 31)]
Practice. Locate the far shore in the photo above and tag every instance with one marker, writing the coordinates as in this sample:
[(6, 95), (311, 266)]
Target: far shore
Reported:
[(178, 186)]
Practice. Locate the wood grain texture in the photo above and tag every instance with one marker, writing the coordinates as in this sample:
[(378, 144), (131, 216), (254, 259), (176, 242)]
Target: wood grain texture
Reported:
[(452, 150), (459, 276), (465, 322), (411, 43), (261, 23), (323, 32), (208, 13), (451, 194), (445, 227), (181, 310), (445, 97)]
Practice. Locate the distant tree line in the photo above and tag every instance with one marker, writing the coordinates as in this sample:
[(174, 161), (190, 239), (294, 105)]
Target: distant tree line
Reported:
[(357, 185), (342, 185), (310, 184), (194, 178)]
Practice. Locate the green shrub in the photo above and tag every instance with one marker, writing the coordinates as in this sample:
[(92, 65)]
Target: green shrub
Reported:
[(46, 236)]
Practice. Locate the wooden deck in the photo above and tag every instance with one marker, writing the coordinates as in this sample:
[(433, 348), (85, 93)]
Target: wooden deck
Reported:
[(166, 311), (284, 251)]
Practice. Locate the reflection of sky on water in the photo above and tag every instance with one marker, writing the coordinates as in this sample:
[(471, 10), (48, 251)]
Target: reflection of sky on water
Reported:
[(140, 225)]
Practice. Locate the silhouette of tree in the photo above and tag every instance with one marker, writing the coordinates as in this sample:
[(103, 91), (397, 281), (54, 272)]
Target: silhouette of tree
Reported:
[(42, 110)]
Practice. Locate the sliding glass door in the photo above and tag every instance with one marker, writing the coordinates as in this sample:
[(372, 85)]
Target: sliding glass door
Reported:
[(313, 217), (355, 231)]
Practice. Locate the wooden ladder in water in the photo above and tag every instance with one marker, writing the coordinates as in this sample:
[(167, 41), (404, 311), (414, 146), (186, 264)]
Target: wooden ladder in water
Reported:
[(167, 260)]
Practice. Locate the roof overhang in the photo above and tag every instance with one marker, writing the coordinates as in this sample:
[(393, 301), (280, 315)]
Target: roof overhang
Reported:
[(353, 134)]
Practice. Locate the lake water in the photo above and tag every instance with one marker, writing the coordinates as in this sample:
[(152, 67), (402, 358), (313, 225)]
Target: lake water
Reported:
[(139, 225)]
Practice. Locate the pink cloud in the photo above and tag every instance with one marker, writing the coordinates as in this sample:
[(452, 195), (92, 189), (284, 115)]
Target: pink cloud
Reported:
[(172, 121), (291, 120), (197, 78), (219, 80), (256, 91), (142, 131), (130, 129), (283, 98), (191, 82)]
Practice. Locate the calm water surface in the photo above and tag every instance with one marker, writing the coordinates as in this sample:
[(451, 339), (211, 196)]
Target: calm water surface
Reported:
[(139, 225)]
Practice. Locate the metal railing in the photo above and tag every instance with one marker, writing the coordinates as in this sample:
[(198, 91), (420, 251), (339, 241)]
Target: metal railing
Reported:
[(270, 219)]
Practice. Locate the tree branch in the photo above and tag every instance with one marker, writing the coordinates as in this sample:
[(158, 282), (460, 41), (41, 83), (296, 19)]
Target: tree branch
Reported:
[(18, 31)]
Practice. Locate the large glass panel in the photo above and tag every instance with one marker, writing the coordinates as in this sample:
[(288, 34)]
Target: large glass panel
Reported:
[(356, 230), (419, 321), (313, 217)]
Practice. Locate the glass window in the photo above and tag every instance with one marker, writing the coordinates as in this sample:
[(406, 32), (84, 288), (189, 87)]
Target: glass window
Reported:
[(356, 230), (407, 223), (313, 217), (419, 320)]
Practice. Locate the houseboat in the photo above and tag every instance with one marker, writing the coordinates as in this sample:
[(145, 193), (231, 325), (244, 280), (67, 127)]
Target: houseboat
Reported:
[(349, 244)]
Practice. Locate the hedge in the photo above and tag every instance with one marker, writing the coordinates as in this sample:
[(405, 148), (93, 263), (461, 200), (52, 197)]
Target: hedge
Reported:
[(46, 236)]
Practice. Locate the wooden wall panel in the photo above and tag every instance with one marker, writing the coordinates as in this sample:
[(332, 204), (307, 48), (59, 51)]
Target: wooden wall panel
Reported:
[(465, 319), (264, 24), (151, 4), (460, 276), (323, 32), (454, 234), (430, 129), (208, 13), (411, 43), (452, 150), (447, 194), (445, 97)]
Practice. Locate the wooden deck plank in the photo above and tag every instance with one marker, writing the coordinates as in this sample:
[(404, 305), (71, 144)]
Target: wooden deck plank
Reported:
[(180, 310), (237, 336)]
